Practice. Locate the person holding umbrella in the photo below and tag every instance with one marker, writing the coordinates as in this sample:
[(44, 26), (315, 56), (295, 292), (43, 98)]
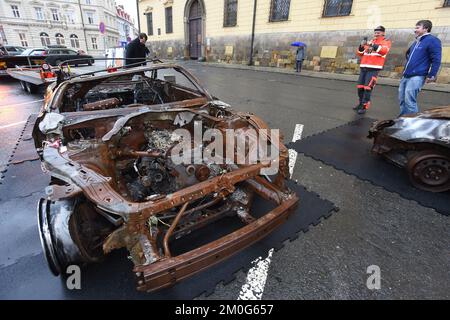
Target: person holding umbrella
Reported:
[(299, 55)]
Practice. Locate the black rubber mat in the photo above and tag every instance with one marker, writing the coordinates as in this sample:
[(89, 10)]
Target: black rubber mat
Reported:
[(27, 276), (347, 148)]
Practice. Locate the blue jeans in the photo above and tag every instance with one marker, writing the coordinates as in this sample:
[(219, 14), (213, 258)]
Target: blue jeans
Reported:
[(407, 94)]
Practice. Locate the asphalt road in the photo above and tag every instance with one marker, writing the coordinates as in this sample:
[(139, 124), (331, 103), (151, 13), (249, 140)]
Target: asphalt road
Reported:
[(408, 242)]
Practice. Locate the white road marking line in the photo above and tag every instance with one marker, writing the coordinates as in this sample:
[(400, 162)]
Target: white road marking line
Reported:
[(21, 104), (298, 131), (253, 288), (12, 124)]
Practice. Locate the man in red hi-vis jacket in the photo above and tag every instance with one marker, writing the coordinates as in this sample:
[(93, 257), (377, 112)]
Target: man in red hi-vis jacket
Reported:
[(373, 54)]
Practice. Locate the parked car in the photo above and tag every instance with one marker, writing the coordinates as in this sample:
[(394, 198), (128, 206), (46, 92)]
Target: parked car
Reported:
[(54, 55), (420, 143), (11, 50)]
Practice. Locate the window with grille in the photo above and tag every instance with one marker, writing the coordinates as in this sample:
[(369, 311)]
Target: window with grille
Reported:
[(149, 23), (230, 13), (23, 39), (169, 25), (94, 43), (55, 14), (279, 10), (45, 39), (59, 39), (15, 11), (447, 3), (74, 42), (334, 8)]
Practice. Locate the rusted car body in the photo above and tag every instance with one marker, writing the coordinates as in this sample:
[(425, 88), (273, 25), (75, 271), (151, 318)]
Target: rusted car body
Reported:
[(105, 139), (420, 143)]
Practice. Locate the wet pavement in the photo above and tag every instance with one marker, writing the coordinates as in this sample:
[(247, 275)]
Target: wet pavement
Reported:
[(408, 242)]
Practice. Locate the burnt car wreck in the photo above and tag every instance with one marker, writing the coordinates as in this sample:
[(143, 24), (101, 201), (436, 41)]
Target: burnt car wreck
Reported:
[(106, 142), (419, 143)]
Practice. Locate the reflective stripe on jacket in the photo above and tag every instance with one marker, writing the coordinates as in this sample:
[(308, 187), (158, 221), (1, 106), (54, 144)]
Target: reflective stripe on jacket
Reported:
[(375, 59)]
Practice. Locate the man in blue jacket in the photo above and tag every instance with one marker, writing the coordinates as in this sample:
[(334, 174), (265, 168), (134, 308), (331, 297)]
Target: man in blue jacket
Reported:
[(423, 60)]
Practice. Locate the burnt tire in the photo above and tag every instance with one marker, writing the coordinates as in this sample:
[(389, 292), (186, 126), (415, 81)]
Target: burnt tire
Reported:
[(429, 170), (62, 229)]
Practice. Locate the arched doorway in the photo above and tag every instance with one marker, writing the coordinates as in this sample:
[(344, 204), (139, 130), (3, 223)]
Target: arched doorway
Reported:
[(194, 28)]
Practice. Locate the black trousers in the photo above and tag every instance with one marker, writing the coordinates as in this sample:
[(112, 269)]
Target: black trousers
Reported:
[(298, 65), (366, 83)]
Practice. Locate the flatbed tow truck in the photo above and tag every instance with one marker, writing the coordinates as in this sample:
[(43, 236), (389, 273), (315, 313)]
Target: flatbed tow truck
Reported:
[(32, 77)]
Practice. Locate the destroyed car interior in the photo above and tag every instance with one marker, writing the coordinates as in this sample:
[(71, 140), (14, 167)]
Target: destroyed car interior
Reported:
[(107, 141)]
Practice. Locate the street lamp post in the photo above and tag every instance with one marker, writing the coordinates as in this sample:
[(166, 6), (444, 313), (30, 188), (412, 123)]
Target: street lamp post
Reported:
[(253, 34), (139, 19)]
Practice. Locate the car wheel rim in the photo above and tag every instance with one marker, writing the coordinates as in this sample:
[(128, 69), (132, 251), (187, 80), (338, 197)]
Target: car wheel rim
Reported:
[(430, 171)]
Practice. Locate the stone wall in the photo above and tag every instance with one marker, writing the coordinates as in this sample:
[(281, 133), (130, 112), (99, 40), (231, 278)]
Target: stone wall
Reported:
[(274, 50)]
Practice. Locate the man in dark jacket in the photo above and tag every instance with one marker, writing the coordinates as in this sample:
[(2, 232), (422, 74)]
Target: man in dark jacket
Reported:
[(136, 51), (423, 60)]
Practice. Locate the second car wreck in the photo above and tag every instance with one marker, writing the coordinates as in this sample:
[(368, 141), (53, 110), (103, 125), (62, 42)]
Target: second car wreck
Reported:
[(420, 143), (107, 142)]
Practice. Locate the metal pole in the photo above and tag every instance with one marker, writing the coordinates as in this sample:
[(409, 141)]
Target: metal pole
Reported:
[(253, 34), (139, 19), (82, 24)]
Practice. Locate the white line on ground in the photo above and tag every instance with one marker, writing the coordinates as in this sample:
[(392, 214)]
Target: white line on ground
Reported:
[(298, 131), (21, 104), (253, 288), (12, 124)]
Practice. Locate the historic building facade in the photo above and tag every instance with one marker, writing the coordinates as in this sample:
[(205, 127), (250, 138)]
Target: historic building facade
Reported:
[(221, 30), (74, 23), (125, 26)]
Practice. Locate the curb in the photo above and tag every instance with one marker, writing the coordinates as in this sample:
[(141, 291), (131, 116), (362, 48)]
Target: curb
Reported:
[(324, 75)]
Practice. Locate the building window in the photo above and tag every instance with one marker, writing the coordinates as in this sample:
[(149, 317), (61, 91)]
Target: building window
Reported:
[(23, 39), (15, 11), (149, 23), (159, 31), (169, 25), (39, 13), (90, 17), (70, 16), (335, 8), (279, 10), (94, 43), (88, 2), (59, 39), (74, 42), (45, 39), (55, 15), (447, 3), (230, 13)]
